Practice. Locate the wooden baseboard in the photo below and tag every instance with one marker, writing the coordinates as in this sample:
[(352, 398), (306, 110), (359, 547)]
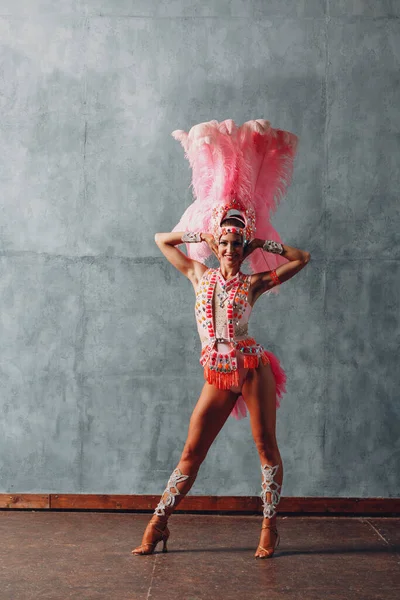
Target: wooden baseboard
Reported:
[(202, 504)]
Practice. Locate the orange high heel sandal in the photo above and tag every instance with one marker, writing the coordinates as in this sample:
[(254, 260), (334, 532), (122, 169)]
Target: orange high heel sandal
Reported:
[(269, 552), (167, 500), (270, 495), (149, 547)]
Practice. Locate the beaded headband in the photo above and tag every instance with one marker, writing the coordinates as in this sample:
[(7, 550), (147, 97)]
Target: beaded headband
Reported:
[(225, 230)]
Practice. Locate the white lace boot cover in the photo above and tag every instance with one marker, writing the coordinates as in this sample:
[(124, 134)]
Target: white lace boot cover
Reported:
[(269, 486), (170, 492)]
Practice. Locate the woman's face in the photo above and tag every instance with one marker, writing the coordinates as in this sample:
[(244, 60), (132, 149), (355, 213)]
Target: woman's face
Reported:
[(230, 249)]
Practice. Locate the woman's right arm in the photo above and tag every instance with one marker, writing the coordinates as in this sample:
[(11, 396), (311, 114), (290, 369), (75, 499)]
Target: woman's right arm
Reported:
[(262, 282), (167, 243)]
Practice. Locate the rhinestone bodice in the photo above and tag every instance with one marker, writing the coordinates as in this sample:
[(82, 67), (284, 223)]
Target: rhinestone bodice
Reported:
[(228, 311), (222, 314), (220, 319)]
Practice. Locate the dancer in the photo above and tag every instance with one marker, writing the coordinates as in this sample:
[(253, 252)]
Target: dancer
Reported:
[(238, 174)]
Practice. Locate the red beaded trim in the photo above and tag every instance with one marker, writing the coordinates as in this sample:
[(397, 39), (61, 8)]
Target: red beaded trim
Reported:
[(275, 277), (209, 311), (225, 230), (209, 318)]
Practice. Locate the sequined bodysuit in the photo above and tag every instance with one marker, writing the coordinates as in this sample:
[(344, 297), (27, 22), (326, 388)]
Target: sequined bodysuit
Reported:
[(222, 314), (220, 299)]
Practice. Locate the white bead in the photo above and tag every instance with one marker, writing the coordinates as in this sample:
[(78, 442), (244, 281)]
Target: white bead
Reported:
[(269, 486), (171, 490)]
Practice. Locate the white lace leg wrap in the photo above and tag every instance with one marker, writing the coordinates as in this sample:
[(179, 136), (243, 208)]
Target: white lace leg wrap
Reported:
[(171, 491), (268, 485)]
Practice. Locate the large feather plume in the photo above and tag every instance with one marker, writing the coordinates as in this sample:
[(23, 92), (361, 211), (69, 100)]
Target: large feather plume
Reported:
[(253, 163)]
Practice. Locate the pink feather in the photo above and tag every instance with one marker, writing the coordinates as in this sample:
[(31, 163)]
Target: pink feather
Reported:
[(253, 162)]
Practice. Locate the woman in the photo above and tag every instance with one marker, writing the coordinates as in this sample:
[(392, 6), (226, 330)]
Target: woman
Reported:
[(235, 366)]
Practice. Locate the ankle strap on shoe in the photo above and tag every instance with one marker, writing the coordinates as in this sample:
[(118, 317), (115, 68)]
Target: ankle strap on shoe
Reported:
[(274, 529)]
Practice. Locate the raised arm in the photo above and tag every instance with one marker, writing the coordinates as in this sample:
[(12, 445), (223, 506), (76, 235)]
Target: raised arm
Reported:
[(262, 282), (167, 243)]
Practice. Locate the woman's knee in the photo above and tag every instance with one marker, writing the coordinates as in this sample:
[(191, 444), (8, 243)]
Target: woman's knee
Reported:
[(193, 456), (267, 447)]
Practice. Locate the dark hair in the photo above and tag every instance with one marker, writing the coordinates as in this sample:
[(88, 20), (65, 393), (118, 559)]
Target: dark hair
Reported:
[(232, 222)]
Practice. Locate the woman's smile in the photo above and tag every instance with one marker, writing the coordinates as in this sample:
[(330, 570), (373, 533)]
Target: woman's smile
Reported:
[(231, 248)]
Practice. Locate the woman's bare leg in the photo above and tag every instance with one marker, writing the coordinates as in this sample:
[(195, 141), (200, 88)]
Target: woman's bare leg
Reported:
[(259, 393), (209, 415)]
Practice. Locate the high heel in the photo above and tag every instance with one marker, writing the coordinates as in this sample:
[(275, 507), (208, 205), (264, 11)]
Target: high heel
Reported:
[(149, 547), (270, 495), (268, 552), (160, 516)]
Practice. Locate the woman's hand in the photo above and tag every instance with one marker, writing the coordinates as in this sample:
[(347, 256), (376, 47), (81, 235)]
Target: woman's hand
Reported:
[(253, 245), (210, 241)]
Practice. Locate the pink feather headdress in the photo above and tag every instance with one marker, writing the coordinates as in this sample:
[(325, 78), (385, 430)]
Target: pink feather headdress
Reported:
[(247, 167)]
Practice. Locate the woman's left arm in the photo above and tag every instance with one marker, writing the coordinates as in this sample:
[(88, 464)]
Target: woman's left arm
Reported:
[(262, 282)]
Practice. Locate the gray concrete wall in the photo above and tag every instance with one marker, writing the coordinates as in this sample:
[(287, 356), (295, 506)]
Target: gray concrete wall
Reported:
[(99, 353)]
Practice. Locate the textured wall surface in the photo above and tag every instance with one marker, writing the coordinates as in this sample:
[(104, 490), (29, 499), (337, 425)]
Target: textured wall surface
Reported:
[(99, 354)]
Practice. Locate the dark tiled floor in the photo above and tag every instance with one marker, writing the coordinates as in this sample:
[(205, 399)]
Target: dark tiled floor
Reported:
[(85, 556)]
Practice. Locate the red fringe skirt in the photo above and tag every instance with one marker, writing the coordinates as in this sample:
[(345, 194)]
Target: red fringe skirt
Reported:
[(234, 378)]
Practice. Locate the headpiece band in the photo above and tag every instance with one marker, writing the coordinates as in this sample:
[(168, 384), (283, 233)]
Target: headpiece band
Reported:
[(225, 230)]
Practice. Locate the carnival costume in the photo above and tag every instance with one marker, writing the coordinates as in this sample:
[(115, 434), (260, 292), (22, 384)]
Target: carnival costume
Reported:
[(241, 172), (244, 170)]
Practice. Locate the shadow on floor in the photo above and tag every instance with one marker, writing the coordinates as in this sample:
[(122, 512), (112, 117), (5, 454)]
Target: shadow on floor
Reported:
[(58, 555)]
